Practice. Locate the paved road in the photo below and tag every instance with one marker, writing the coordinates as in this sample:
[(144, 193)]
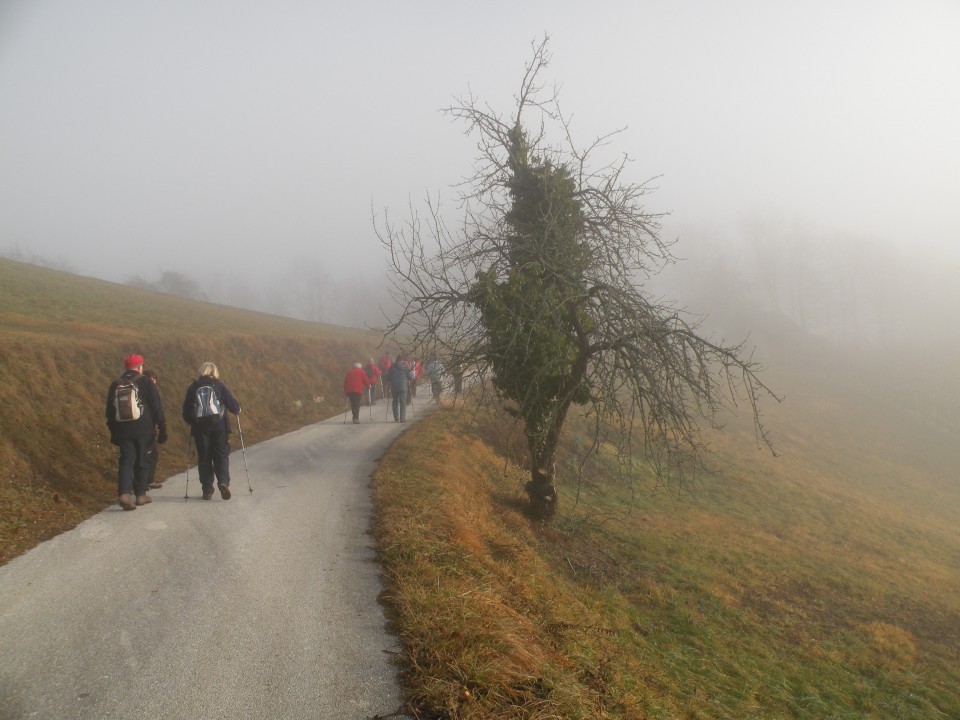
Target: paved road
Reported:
[(260, 607)]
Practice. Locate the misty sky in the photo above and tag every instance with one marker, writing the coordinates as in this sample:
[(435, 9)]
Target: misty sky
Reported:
[(238, 137)]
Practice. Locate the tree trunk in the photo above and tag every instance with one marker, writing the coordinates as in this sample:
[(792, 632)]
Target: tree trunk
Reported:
[(542, 492), (543, 466)]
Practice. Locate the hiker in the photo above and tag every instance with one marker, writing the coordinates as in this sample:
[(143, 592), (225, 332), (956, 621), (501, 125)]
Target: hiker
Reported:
[(373, 375), (417, 369), (457, 379), (355, 384), (133, 413), (205, 409), (152, 451), (397, 380), (435, 372), (384, 365)]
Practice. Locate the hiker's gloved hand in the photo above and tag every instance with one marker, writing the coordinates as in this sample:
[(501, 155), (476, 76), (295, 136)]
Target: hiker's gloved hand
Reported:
[(162, 437)]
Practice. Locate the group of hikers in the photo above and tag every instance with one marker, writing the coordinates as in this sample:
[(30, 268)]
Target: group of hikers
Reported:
[(397, 379), (138, 425)]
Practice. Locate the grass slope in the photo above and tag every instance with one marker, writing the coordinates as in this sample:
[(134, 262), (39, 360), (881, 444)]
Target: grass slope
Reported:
[(823, 583), (63, 339)]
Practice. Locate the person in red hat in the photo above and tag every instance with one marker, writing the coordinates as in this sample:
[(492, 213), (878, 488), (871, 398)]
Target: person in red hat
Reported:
[(134, 413)]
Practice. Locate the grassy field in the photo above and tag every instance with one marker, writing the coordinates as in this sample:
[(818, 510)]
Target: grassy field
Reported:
[(63, 339), (823, 583)]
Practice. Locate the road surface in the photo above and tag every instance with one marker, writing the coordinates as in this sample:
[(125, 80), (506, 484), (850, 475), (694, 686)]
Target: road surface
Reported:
[(260, 607)]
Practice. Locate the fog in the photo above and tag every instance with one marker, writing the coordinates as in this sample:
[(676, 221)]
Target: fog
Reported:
[(810, 151)]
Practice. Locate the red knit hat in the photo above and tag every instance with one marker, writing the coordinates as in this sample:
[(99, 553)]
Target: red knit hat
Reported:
[(133, 361)]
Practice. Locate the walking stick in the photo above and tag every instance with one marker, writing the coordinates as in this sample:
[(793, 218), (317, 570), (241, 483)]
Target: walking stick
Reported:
[(243, 451), (345, 412), (186, 485)]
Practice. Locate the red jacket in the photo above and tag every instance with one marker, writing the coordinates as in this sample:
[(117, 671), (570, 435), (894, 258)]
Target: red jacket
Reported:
[(356, 381)]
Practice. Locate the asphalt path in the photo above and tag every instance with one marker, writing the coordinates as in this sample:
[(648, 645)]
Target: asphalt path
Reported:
[(261, 606)]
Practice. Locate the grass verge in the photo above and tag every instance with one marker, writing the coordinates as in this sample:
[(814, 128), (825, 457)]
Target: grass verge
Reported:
[(778, 591)]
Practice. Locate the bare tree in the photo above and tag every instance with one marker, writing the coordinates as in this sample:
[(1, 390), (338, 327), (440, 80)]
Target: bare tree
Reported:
[(540, 290)]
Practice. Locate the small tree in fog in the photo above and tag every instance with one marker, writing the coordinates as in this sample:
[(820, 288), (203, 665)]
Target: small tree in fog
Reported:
[(172, 283), (540, 291)]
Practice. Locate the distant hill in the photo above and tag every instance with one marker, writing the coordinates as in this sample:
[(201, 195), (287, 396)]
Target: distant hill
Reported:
[(63, 338)]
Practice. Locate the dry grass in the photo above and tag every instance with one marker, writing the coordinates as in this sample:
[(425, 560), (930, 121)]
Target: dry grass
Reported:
[(63, 339), (820, 584)]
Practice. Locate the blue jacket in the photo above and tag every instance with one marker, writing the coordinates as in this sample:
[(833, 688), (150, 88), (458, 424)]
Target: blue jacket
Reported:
[(397, 375), (226, 398)]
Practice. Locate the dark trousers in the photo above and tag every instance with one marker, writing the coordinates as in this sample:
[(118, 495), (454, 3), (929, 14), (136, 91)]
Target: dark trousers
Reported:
[(152, 456), (213, 458), (355, 405), (133, 466), (399, 405)]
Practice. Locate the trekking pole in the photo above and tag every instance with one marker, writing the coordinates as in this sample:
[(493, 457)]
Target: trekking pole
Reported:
[(243, 451), (186, 485), (345, 411)]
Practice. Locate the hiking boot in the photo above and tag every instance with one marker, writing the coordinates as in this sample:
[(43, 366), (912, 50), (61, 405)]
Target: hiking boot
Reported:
[(224, 491), (144, 499), (208, 495), (125, 500)]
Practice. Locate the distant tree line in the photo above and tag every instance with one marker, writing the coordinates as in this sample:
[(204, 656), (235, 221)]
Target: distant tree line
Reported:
[(307, 289)]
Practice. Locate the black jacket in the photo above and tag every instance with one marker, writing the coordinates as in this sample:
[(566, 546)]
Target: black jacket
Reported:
[(226, 397), (398, 377), (152, 416)]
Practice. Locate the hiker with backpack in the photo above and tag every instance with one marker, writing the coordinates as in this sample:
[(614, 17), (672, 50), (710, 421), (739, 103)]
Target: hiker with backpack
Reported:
[(415, 370), (398, 379), (134, 413), (205, 409), (435, 372), (355, 384)]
